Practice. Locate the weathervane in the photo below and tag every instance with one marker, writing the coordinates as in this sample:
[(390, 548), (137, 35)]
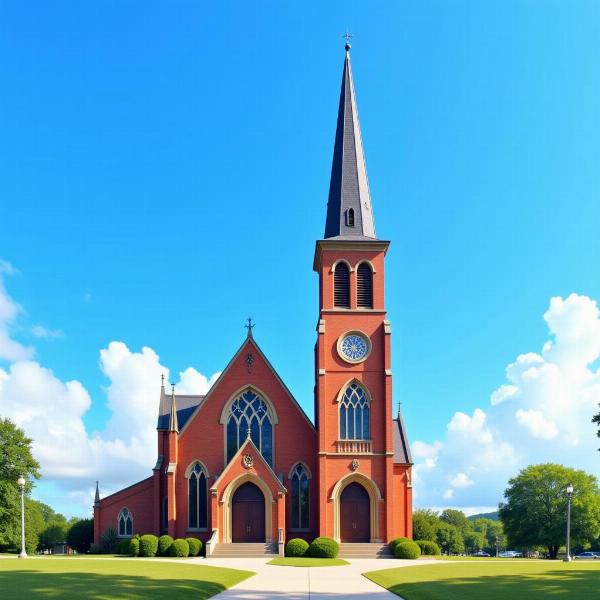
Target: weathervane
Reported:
[(250, 326)]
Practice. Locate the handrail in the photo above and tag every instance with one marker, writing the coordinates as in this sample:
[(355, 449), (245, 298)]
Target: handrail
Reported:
[(212, 542)]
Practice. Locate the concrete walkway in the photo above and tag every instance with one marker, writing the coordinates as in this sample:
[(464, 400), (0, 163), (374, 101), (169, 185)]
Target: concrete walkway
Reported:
[(303, 583)]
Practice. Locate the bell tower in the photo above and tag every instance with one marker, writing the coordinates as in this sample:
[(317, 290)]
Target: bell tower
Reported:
[(353, 388)]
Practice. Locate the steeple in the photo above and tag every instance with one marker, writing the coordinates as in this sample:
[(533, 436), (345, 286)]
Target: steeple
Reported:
[(97, 496), (349, 211), (173, 424)]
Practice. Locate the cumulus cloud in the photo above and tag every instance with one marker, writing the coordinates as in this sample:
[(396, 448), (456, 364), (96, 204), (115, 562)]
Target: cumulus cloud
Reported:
[(541, 413)]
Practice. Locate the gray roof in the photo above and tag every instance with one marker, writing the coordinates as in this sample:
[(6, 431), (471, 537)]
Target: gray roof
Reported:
[(349, 185), (185, 407), (401, 448)]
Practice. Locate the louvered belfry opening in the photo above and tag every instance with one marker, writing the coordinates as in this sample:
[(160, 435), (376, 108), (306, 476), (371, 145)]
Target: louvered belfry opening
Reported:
[(341, 286), (364, 286)]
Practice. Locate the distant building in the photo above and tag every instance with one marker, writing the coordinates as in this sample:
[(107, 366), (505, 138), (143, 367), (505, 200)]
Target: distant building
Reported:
[(244, 463)]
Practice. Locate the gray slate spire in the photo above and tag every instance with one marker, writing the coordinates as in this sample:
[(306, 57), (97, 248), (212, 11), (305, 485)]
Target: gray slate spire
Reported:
[(97, 496), (173, 424), (349, 186)]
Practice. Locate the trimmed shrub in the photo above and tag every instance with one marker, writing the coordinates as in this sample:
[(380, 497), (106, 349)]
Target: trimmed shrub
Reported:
[(164, 543), (109, 540), (324, 547), (148, 545), (122, 546), (134, 546), (428, 548), (408, 550), (397, 541), (96, 549), (195, 546), (180, 548), (296, 547)]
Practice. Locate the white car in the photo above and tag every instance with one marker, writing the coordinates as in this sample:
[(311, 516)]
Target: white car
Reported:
[(590, 555), (510, 554)]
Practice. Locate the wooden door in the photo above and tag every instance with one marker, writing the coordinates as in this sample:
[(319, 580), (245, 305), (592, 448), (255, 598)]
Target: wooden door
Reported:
[(248, 515), (355, 514)]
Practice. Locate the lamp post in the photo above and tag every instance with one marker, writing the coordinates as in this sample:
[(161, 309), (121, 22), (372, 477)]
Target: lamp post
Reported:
[(569, 495), (497, 543), (21, 483)]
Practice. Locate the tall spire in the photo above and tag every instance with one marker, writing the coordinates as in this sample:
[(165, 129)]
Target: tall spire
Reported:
[(173, 424), (97, 496), (349, 211)]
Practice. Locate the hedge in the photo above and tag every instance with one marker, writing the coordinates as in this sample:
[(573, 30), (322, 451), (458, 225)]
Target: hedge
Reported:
[(296, 547), (428, 548), (134, 546), (195, 546), (164, 543), (324, 547), (180, 548), (408, 550), (148, 545), (122, 546), (397, 541)]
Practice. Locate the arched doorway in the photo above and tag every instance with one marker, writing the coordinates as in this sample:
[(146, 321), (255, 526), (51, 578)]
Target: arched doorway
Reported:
[(355, 511), (248, 514)]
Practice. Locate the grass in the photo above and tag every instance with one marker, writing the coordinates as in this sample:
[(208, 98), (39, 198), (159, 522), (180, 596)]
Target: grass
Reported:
[(533, 580), (301, 561), (101, 579)]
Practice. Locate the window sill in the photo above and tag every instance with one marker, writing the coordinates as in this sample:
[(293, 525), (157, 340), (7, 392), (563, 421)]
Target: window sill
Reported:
[(296, 530), (196, 530)]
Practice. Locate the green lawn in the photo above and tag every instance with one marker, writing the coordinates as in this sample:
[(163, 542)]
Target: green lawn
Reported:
[(101, 579), (300, 561), (533, 580)]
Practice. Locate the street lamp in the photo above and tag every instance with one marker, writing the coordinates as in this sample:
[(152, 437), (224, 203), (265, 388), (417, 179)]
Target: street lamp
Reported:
[(569, 495), (21, 482), (497, 543)]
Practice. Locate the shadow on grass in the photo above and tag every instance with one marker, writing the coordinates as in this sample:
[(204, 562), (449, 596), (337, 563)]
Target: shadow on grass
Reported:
[(530, 586), (25, 584)]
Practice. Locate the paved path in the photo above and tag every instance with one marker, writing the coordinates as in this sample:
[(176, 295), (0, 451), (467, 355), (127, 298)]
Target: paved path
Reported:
[(303, 583)]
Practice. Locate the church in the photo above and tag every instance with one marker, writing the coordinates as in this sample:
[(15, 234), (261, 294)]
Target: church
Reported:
[(243, 466)]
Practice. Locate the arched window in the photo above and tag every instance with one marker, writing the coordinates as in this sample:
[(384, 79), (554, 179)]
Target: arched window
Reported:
[(300, 500), (197, 498), (125, 523), (355, 421), (249, 412), (341, 285), (364, 286), (350, 217)]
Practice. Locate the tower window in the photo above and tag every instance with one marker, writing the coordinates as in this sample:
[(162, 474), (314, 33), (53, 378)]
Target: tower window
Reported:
[(350, 217), (355, 418), (364, 286), (341, 286)]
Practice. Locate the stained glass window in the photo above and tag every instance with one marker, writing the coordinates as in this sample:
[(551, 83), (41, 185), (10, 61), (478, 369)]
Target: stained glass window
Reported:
[(300, 498), (197, 498), (355, 414), (249, 413), (125, 523)]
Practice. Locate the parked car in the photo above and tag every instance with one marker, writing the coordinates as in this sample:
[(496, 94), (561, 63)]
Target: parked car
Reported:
[(481, 553), (510, 554), (588, 555)]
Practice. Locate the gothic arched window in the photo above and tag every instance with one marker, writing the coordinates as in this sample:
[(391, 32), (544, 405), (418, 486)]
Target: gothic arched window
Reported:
[(125, 523), (341, 286), (197, 498), (249, 412), (364, 286), (350, 217), (355, 418), (300, 499)]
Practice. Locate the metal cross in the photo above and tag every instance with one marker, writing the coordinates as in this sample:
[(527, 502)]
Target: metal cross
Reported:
[(250, 326), (347, 36)]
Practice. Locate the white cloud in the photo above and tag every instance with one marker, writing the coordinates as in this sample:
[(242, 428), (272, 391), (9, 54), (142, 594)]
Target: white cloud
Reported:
[(192, 382), (541, 413), (10, 349), (41, 332)]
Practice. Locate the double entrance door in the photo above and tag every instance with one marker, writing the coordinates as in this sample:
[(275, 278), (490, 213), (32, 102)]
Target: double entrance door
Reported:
[(355, 514), (248, 515)]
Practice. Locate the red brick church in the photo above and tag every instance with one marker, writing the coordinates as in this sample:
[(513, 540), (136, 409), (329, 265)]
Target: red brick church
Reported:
[(244, 463)]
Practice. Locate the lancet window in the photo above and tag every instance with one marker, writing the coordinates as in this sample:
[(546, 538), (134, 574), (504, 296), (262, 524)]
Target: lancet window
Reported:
[(125, 523), (197, 498), (300, 498), (355, 417)]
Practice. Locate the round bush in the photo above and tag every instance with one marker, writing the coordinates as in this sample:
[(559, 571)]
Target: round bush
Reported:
[(324, 547), (195, 546), (134, 546), (164, 543), (180, 548), (122, 546), (408, 550), (296, 547), (397, 541), (148, 545), (428, 548)]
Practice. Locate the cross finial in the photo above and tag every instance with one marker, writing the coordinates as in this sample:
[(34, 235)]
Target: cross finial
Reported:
[(250, 326), (172, 389), (347, 36)]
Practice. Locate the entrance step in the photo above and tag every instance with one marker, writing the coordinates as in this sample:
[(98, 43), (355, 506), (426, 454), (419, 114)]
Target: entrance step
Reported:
[(244, 550), (366, 550)]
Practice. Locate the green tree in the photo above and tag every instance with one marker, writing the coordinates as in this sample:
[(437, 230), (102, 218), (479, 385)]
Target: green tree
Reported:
[(534, 513), (491, 529), (458, 519), (53, 534), (474, 541), (596, 419), (81, 535), (424, 525), (449, 538), (15, 460)]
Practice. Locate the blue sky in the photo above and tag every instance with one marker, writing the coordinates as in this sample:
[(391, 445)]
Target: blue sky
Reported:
[(164, 170)]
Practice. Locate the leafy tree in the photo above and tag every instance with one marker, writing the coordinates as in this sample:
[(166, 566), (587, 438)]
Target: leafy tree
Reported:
[(81, 535), (449, 538), (15, 460), (458, 519), (474, 541), (52, 534), (424, 525), (536, 507), (596, 419)]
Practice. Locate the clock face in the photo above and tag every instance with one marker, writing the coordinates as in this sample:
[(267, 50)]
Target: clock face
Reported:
[(354, 347)]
